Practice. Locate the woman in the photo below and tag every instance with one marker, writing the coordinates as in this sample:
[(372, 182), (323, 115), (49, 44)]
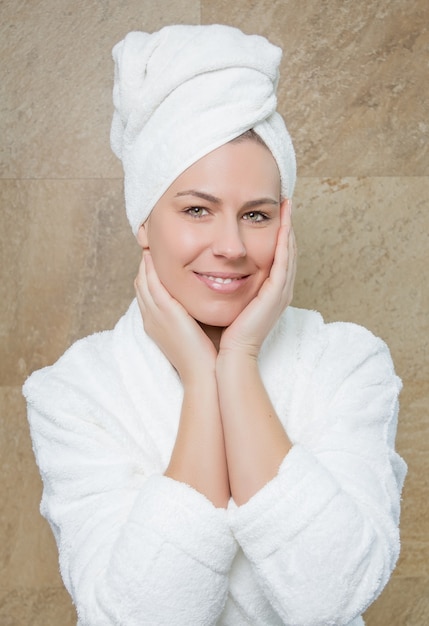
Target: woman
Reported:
[(219, 457)]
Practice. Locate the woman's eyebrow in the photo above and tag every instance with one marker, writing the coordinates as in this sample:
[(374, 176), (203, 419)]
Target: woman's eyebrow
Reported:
[(199, 194), (253, 203), (207, 196)]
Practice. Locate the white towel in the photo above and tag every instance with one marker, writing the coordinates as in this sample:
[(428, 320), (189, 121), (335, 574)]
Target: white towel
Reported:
[(182, 92)]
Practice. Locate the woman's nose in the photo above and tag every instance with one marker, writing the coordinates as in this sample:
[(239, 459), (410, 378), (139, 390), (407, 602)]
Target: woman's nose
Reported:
[(228, 241)]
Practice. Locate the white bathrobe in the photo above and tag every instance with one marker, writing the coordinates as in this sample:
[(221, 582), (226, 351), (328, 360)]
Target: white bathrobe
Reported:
[(314, 547)]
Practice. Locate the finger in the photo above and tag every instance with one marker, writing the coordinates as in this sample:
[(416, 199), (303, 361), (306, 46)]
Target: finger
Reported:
[(281, 256), (285, 226), (140, 282), (292, 266), (140, 275), (141, 289), (158, 293), (286, 270), (149, 287), (159, 297), (285, 212), (293, 247)]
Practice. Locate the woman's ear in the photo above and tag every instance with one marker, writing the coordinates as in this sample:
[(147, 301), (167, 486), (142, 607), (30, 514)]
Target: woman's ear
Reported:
[(142, 238)]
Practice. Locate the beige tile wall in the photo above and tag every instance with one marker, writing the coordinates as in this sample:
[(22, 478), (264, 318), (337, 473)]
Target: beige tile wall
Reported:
[(355, 95)]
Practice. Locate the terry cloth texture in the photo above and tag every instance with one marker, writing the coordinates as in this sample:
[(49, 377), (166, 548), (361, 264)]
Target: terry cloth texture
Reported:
[(314, 547), (183, 91)]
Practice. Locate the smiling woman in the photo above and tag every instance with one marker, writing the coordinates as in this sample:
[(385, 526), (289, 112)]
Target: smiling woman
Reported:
[(220, 457), (214, 257)]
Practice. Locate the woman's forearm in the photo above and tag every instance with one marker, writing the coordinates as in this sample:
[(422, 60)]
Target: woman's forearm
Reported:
[(255, 440), (198, 457)]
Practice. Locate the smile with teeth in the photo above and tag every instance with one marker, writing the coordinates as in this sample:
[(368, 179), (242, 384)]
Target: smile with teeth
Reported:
[(223, 281), (226, 284)]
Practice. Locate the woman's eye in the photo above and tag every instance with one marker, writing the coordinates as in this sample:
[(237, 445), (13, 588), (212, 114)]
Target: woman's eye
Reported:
[(196, 211), (255, 216)]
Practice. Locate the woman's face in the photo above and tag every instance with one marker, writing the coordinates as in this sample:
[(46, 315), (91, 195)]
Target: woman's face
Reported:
[(213, 233)]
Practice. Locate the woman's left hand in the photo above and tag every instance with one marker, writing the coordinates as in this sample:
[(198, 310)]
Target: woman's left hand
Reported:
[(250, 328)]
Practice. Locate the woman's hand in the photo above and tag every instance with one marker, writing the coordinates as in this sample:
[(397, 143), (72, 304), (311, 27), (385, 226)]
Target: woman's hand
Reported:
[(255, 440), (250, 328), (198, 457), (175, 332)]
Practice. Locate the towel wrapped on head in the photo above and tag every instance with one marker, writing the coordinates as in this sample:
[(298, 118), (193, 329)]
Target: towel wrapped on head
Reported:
[(182, 92)]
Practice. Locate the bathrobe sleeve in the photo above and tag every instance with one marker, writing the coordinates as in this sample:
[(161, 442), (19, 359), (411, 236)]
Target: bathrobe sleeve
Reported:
[(322, 536), (134, 549)]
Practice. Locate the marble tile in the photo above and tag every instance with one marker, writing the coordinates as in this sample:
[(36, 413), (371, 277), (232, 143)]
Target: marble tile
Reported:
[(28, 555), (414, 559), (413, 431), (353, 87), (413, 444), (363, 252), (355, 96), (404, 602), (69, 260), (57, 81), (50, 606)]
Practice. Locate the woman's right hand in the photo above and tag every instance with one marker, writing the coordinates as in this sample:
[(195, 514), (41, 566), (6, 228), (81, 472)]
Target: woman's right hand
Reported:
[(166, 321), (198, 456)]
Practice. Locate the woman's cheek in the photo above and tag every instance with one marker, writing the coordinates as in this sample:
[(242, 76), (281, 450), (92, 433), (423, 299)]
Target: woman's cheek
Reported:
[(267, 251)]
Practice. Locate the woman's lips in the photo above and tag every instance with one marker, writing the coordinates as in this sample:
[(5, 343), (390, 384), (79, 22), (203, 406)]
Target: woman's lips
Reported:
[(222, 282)]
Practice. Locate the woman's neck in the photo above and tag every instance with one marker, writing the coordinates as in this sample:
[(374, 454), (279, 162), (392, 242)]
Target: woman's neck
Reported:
[(214, 333)]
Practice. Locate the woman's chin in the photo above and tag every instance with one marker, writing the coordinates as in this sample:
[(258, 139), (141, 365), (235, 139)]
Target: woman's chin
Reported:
[(219, 314), (215, 321)]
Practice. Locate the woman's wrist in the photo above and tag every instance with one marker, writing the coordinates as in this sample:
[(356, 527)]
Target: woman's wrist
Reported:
[(231, 363), (234, 349), (198, 378)]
